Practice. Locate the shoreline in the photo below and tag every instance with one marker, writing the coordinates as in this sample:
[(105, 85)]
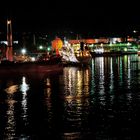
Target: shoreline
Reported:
[(110, 54)]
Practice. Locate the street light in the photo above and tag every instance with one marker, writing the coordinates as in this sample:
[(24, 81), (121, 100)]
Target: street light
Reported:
[(23, 51), (134, 31), (40, 47)]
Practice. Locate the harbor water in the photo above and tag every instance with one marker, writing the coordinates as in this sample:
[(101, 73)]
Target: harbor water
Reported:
[(100, 101)]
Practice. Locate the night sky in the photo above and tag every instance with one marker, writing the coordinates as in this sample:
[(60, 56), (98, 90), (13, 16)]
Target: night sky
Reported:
[(85, 17)]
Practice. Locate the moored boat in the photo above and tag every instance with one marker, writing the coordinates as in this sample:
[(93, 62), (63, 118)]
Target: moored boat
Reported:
[(11, 68)]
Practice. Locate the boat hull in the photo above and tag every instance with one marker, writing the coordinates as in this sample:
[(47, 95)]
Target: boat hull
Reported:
[(30, 69), (84, 60)]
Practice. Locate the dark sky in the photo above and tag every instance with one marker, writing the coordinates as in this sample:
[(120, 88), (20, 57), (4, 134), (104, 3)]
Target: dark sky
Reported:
[(89, 17)]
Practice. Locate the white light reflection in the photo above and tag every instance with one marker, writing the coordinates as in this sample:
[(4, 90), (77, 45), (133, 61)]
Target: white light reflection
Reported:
[(47, 89), (100, 85), (92, 77), (127, 70), (111, 76), (24, 87), (101, 81), (48, 100), (101, 73), (120, 70)]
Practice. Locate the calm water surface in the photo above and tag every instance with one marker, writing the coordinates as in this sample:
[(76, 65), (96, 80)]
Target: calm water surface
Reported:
[(98, 102)]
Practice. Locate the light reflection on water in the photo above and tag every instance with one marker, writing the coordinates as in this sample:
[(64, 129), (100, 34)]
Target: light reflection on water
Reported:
[(76, 82), (24, 87), (100, 101)]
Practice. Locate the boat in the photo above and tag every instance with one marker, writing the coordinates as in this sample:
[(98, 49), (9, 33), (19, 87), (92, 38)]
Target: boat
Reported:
[(70, 57), (84, 57), (32, 68)]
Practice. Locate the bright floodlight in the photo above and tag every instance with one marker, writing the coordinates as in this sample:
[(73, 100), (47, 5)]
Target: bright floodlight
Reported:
[(23, 51), (9, 22), (32, 58), (134, 31), (40, 47)]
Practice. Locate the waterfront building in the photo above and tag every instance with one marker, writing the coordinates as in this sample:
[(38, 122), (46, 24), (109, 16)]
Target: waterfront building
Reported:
[(107, 45)]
